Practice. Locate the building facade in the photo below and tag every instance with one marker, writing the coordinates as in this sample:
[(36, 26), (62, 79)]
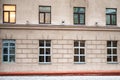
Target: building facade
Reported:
[(59, 36)]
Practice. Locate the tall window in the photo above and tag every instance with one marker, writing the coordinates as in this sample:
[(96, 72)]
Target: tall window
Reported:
[(9, 13), (79, 51), (111, 51), (44, 14), (79, 15), (44, 51), (111, 16), (8, 51)]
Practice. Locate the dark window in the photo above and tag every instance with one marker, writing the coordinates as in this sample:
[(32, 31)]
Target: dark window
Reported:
[(44, 14), (111, 51), (79, 15), (8, 51), (9, 13), (44, 51), (79, 51), (111, 16)]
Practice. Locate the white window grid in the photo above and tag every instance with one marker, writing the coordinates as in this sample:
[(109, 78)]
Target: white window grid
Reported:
[(79, 55), (8, 49), (112, 54), (45, 55)]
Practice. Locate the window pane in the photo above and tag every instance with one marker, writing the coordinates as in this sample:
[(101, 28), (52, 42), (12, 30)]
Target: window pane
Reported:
[(47, 18), (76, 18), (76, 58), (107, 19), (48, 51), (82, 58), (76, 51), (111, 11), (48, 43), (79, 10), (5, 50), (82, 43), (109, 58), (41, 43), (42, 18), (108, 43), (41, 58), (115, 58), (12, 58), (48, 59), (12, 50), (9, 8), (82, 51), (114, 51), (114, 43), (12, 44), (12, 17), (108, 51), (44, 9), (5, 58), (82, 18), (76, 43), (41, 50), (6, 17), (5, 44), (113, 19)]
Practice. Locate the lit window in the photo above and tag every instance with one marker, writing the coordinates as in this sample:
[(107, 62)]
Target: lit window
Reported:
[(44, 51), (111, 16), (112, 51), (79, 15), (44, 14), (8, 51), (9, 14), (79, 51)]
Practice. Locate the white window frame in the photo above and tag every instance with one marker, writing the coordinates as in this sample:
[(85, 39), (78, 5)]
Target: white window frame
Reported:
[(112, 54), (45, 55), (8, 47), (79, 47)]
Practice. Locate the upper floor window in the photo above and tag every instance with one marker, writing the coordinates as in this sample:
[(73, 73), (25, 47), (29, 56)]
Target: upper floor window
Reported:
[(112, 51), (44, 51), (9, 13), (111, 16), (44, 14), (79, 51), (8, 51), (79, 15)]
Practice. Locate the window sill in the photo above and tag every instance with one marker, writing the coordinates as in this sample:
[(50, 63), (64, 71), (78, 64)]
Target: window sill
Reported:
[(45, 63), (79, 63), (112, 63)]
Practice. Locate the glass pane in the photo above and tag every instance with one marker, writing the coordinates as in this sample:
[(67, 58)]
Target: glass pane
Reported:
[(76, 51), (108, 43), (107, 19), (114, 43), (82, 43), (76, 43), (47, 17), (41, 58), (41, 43), (5, 44), (82, 19), (76, 58), (48, 59), (75, 18), (109, 58), (79, 10), (12, 58), (9, 8), (41, 50), (82, 58), (12, 50), (44, 9), (113, 19), (111, 11), (12, 44), (108, 51), (41, 17), (5, 58), (48, 43), (115, 58), (82, 51), (48, 51), (6, 17), (5, 50), (114, 51), (12, 17)]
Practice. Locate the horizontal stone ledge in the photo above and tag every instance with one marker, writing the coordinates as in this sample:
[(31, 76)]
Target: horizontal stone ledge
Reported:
[(59, 27), (80, 73)]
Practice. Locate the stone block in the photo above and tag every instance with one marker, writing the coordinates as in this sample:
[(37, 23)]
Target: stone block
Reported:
[(21, 56), (27, 41), (67, 46), (57, 46)]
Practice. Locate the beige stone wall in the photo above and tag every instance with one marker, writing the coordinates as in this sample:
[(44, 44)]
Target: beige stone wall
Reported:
[(27, 43), (62, 10)]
